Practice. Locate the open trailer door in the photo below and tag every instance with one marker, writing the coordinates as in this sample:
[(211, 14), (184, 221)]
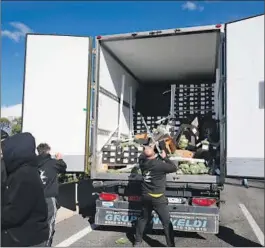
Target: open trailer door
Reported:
[(245, 97), (56, 97)]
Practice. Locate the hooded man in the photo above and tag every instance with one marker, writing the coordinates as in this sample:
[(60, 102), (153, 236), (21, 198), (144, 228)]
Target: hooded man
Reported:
[(4, 135), (154, 169), (49, 169), (24, 210)]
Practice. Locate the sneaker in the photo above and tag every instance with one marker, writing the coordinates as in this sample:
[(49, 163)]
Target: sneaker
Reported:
[(137, 244)]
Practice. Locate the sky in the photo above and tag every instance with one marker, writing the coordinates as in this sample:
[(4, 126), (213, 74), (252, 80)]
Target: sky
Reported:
[(88, 18)]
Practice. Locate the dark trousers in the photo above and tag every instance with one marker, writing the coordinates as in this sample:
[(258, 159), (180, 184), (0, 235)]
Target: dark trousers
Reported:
[(52, 211), (160, 206)]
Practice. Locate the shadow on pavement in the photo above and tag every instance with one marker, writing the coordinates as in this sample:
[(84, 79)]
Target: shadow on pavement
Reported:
[(191, 235), (130, 236), (151, 242), (230, 237), (225, 234), (120, 229), (148, 231), (178, 234)]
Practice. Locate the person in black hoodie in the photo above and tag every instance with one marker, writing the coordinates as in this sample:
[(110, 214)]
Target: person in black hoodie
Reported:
[(154, 168), (4, 135), (24, 210), (49, 169)]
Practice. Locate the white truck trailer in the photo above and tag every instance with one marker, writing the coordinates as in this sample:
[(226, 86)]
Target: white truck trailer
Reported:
[(72, 95)]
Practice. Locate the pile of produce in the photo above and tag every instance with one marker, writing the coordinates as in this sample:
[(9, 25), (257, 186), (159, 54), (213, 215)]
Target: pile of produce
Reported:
[(185, 147), (126, 143), (192, 168), (131, 170)]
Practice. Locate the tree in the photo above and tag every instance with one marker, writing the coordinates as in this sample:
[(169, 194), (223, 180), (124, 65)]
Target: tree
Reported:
[(16, 125), (5, 123)]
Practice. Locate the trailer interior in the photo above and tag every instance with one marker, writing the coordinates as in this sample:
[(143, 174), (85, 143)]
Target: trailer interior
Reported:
[(173, 73)]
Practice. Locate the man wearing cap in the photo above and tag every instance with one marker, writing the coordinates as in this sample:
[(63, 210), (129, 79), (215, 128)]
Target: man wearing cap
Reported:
[(154, 168)]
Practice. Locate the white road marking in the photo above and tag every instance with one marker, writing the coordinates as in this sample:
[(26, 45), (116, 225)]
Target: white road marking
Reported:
[(259, 234), (77, 236)]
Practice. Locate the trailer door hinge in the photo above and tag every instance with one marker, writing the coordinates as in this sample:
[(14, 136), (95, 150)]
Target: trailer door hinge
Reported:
[(223, 39), (92, 123), (223, 79), (222, 120), (90, 159)]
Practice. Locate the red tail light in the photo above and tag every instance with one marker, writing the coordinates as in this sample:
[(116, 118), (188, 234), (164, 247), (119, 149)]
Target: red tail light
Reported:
[(108, 197), (98, 37), (218, 25), (204, 202)]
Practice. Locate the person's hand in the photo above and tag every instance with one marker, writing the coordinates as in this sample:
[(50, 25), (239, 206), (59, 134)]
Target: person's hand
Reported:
[(58, 156), (163, 154)]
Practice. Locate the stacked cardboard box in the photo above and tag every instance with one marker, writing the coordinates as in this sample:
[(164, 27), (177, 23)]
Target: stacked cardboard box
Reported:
[(139, 126), (121, 155)]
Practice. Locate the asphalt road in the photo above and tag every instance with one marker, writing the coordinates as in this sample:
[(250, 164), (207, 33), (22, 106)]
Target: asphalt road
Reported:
[(236, 227)]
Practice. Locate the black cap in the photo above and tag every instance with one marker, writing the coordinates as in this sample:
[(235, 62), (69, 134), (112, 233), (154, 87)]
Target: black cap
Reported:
[(4, 134)]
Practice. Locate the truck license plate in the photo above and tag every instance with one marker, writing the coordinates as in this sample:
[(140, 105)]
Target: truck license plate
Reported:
[(181, 221), (175, 200)]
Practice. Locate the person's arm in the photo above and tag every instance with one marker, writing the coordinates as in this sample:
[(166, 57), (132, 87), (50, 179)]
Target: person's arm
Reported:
[(19, 205), (168, 166), (60, 165)]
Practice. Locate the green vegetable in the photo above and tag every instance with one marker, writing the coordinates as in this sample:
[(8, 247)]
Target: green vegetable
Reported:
[(201, 165), (205, 142), (183, 142), (179, 172), (194, 169), (184, 166), (187, 172), (202, 168), (135, 170), (121, 241), (205, 171)]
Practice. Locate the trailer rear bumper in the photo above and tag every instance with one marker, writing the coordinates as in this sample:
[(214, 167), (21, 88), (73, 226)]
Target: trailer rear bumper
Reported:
[(184, 218)]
